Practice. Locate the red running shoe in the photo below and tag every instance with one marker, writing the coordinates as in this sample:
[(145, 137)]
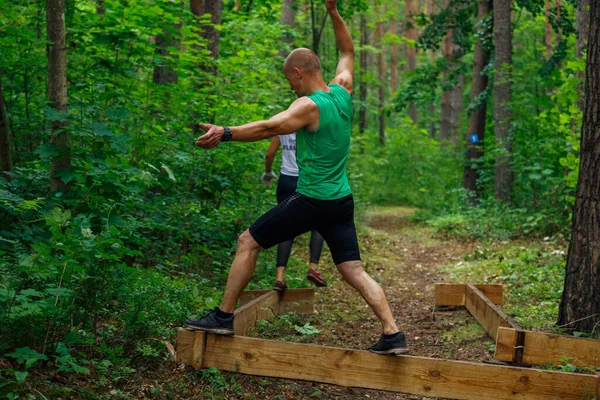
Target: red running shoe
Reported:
[(316, 278)]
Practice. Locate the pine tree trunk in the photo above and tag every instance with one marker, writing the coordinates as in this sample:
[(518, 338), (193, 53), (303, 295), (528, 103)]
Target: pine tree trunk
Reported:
[(288, 16), (548, 32), (57, 89), (580, 305), (456, 104), (214, 8), (5, 152), (582, 21), (381, 79), (477, 118), (412, 33), (446, 109), (164, 73), (362, 94), (431, 11), (394, 55), (503, 97)]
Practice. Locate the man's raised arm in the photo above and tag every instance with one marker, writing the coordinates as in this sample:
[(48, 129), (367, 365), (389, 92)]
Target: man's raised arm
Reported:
[(345, 69)]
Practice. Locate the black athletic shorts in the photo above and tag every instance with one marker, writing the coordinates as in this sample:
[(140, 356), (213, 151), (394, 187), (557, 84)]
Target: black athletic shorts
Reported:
[(297, 214), (286, 186)]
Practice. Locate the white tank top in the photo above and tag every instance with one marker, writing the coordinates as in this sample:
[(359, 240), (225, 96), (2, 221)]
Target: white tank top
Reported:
[(288, 154)]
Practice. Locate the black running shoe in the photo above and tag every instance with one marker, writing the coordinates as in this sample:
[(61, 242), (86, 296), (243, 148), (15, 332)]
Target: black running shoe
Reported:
[(394, 346), (212, 323)]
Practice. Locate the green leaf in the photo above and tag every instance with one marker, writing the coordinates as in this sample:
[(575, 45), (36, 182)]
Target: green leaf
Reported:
[(27, 356), (56, 115), (21, 375), (169, 172)]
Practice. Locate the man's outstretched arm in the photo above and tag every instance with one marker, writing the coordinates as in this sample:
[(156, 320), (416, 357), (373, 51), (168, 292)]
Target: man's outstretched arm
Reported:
[(345, 69), (300, 114)]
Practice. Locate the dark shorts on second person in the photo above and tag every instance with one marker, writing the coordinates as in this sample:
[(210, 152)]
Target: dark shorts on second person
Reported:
[(297, 214)]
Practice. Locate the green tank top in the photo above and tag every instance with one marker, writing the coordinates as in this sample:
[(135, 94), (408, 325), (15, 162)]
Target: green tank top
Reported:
[(321, 155)]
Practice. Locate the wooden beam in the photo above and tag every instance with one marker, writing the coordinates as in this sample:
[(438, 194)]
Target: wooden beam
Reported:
[(540, 348), (301, 301), (262, 308), (415, 375), (190, 347), (455, 294), (489, 316)]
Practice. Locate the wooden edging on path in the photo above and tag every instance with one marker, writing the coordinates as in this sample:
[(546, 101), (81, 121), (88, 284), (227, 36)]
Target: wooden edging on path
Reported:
[(489, 316), (455, 294), (301, 301), (540, 348), (407, 374)]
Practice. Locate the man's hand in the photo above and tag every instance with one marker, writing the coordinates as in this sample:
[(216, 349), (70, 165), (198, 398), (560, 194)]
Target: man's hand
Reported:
[(331, 4), (268, 177), (212, 137)]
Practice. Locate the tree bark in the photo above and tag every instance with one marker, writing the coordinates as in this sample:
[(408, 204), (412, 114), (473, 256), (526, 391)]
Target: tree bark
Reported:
[(477, 118), (431, 11), (582, 21), (362, 93), (446, 109), (412, 33), (57, 89), (164, 73), (548, 31), (5, 152), (503, 97), (288, 16), (394, 55), (214, 8), (580, 304), (381, 79)]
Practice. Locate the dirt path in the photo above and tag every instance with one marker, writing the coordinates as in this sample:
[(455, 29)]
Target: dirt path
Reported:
[(406, 260)]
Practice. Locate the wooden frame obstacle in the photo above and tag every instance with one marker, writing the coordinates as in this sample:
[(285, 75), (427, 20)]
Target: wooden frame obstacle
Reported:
[(429, 377), (514, 344)]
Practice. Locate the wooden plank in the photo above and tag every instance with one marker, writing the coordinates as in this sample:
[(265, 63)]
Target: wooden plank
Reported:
[(489, 316), (262, 308), (541, 348), (506, 341), (415, 375), (190, 347), (301, 301), (454, 294)]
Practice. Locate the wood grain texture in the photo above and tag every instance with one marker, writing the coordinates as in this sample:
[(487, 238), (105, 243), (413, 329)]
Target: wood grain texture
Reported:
[(454, 294), (489, 316), (416, 375)]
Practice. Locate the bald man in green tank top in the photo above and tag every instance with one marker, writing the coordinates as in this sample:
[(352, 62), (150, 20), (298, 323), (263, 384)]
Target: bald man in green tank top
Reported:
[(322, 120)]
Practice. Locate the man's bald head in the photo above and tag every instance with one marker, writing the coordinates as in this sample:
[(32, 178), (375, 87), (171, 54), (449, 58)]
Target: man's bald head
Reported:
[(303, 59)]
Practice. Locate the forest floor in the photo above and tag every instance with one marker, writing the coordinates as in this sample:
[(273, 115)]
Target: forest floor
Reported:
[(407, 259)]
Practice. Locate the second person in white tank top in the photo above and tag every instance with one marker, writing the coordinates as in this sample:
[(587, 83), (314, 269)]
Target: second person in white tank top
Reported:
[(286, 186)]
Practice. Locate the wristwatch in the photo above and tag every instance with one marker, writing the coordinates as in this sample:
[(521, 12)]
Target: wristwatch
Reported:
[(226, 135)]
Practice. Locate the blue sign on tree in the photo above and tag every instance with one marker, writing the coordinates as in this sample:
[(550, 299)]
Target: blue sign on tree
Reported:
[(474, 138)]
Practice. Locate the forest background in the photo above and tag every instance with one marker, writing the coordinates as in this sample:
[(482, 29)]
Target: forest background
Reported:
[(114, 227)]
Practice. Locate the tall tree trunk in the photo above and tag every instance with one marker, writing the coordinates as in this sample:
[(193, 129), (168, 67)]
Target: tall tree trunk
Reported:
[(362, 93), (212, 35), (412, 33), (5, 152), (503, 97), (446, 109), (394, 55), (57, 89), (100, 7), (456, 104), (164, 73), (580, 305), (431, 11), (380, 78), (548, 32), (288, 16), (582, 21), (476, 130), (559, 30)]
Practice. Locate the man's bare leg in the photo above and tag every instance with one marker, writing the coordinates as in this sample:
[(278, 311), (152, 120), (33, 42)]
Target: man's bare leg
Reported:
[(354, 273), (241, 270)]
